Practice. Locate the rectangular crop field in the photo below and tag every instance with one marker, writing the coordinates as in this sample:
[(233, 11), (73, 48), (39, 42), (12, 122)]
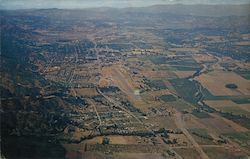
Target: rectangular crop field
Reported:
[(216, 82), (228, 106)]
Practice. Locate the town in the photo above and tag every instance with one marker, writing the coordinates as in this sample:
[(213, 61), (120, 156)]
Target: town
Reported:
[(113, 86)]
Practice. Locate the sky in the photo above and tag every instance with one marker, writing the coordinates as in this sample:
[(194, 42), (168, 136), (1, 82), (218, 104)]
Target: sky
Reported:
[(28, 4)]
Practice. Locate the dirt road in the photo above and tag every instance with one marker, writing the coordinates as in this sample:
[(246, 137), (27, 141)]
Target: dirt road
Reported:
[(181, 126)]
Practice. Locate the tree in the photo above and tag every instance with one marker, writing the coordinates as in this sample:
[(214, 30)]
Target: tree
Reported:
[(105, 141)]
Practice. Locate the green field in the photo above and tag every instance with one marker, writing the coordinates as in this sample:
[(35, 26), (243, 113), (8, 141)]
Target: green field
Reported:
[(200, 114), (235, 110), (186, 89), (181, 64), (244, 73), (168, 98), (241, 100), (241, 137), (155, 84), (201, 136), (181, 105)]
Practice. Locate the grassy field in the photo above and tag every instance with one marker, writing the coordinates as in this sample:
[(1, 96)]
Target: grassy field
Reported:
[(236, 99), (157, 59), (159, 75), (185, 68), (200, 132), (119, 46), (216, 82), (168, 98), (235, 110), (228, 106), (222, 153), (155, 84), (180, 63), (187, 153), (186, 89), (184, 74), (241, 137), (244, 73), (243, 100), (181, 105), (200, 114), (201, 136), (165, 67)]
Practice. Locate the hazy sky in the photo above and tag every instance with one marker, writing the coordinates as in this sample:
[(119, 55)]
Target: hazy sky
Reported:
[(24, 4)]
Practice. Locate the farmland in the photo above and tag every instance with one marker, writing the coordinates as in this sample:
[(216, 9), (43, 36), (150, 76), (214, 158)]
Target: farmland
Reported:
[(119, 84), (215, 82), (230, 107)]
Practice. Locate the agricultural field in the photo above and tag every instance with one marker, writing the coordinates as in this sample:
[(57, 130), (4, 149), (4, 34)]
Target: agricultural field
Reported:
[(150, 82), (187, 153), (221, 125), (181, 105), (184, 74), (187, 89), (229, 107), (240, 137), (216, 82), (158, 75), (224, 153), (168, 98), (85, 91), (202, 136)]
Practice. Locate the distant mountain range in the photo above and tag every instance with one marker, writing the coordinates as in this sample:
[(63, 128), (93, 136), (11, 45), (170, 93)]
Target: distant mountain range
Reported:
[(197, 10), (176, 9), (72, 4)]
